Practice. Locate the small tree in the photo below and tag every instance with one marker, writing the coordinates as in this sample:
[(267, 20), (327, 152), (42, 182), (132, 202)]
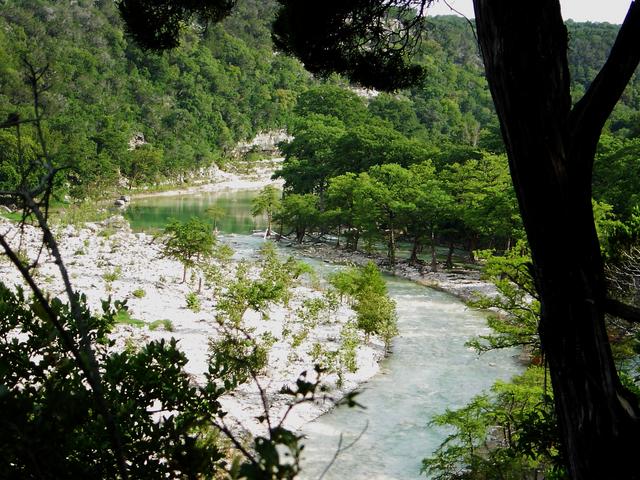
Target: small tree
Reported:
[(216, 212), (267, 202), (188, 242), (376, 314), (300, 212)]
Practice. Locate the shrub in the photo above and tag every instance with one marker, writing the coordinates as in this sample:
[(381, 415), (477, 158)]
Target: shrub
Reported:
[(165, 324), (235, 358), (113, 275), (139, 293), (193, 302), (124, 317)]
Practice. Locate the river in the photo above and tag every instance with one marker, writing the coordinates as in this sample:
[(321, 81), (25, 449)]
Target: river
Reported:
[(429, 370)]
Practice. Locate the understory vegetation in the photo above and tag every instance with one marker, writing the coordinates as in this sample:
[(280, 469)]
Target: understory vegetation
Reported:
[(511, 432)]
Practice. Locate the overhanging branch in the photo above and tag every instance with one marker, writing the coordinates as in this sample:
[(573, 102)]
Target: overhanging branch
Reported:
[(622, 310), (590, 114)]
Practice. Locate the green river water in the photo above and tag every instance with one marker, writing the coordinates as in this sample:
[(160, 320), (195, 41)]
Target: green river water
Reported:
[(429, 370)]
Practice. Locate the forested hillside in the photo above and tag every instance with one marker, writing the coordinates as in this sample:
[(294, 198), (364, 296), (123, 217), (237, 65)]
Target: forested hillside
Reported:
[(224, 84), (192, 104)]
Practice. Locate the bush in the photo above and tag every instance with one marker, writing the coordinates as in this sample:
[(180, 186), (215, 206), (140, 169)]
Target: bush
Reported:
[(139, 293), (193, 302), (235, 358), (113, 275), (165, 324), (510, 434), (52, 423)]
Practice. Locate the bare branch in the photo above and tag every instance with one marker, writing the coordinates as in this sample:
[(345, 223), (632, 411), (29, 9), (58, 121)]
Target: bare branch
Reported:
[(342, 449)]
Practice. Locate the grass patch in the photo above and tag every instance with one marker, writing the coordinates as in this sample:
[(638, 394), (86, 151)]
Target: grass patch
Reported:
[(139, 293), (125, 318), (164, 324), (113, 275), (79, 213)]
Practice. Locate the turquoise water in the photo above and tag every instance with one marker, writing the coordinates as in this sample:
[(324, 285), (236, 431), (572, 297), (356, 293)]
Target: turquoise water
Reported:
[(430, 368), (155, 212)]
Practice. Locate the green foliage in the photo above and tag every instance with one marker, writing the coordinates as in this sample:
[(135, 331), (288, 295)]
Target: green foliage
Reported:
[(123, 316), (113, 275), (354, 281), (272, 285), (192, 104), (332, 101), (375, 311), (188, 242), (77, 214), (350, 341), (376, 315), (139, 293), (236, 358), (267, 202), (516, 324), (300, 212), (165, 324), (510, 434), (193, 302), (47, 399)]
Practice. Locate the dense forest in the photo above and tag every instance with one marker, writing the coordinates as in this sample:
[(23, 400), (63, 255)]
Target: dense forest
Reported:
[(192, 105), (423, 168), (225, 83)]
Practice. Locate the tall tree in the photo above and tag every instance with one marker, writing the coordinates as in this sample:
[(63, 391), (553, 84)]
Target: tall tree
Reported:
[(551, 146)]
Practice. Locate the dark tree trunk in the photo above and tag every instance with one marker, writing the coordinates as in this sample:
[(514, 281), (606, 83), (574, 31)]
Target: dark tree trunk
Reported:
[(434, 260), (473, 244), (413, 259), (391, 247), (551, 149), (355, 239), (280, 230), (449, 262)]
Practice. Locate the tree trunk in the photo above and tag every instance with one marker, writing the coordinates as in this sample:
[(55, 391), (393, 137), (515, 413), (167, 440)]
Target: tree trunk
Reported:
[(413, 259), (434, 260), (338, 238), (184, 274), (449, 262), (551, 149), (473, 243), (269, 216), (392, 244)]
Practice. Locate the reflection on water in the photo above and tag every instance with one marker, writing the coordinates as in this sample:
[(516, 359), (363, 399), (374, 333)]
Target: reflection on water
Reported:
[(430, 368), (155, 212)]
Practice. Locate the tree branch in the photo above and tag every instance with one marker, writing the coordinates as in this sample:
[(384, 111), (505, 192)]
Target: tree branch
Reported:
[(622, 310), (589, 115)]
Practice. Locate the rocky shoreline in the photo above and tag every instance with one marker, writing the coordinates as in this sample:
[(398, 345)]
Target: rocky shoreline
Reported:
[(108, 259), (464, 284)]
